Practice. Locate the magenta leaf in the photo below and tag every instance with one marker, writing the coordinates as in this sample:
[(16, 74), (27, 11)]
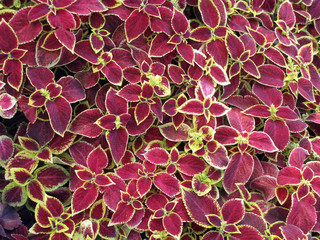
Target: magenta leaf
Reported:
[(157, 156), (136, 24), (199, 207), (84, 197), (261, 141), (118, 140), (167, 184), (239, 170), (59, 112), (173, 224), (233, 211)]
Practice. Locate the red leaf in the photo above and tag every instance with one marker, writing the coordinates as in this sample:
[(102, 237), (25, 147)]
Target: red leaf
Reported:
[(250, 67), (247, 233), (6, 148), (144, 184), (239, 170), (173, 224), (233, 211), (160, 46), (278, 131), (167, 184), (117, 140), (40, 77), (226, 135), (297, 157), (59, 112), (190, 165), (61, 18), (25, 30), (209, 12), (35, 191), (192, 106), (179, 22), (71, 89), (157, 156), (83, 197), (83, 7), (289, 176), (258, 111), (240, 121), (113, 73), (52, 177), (305, 89), (136, 24), (131, 92), (84, 123), (186, 52), (271, 75), (234, 45), (97, 160), (84, 50), (8, 41), (286, 14), (199, 207), (169, 131), (141, 112), (66, 38), (302, 213), (261, 141), (123, 214), (115, 104), (266, 185)]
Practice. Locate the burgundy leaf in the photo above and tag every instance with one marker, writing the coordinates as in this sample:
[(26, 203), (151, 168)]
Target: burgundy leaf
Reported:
[(199, 207), (26, 31), (83, 197), (117, 140), (84, 123), (173, 224), (261, 141), (210, 13), (136, 24), (167, 184), (239, 170), (59, 112)]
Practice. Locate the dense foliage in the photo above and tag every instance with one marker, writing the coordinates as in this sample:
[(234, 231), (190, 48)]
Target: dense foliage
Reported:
[(160, 119)]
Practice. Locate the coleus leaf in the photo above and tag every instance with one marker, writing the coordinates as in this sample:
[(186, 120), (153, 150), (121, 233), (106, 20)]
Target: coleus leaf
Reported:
[(84, 197), (118, 140), (6, 148), (21, 176), (261, 141), (25, 30), (167, 184), (14, 195), (239, 170), (97, 160), (302, 213), (173, 224), (9, 41), (209, 12), (9, 217), (84, 123), (52, 176), (59, 112), (136, 24), (122, 214), (35, 191), (199, 207), (157, 156), (233, 211), (169, 131)]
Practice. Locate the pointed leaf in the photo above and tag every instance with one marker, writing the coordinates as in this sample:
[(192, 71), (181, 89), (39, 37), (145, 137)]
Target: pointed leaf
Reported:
[(83, 197), (199, 207), (167, 184)]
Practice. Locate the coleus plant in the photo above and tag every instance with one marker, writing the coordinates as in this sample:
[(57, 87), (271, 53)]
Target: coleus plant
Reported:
[(160, 119)]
